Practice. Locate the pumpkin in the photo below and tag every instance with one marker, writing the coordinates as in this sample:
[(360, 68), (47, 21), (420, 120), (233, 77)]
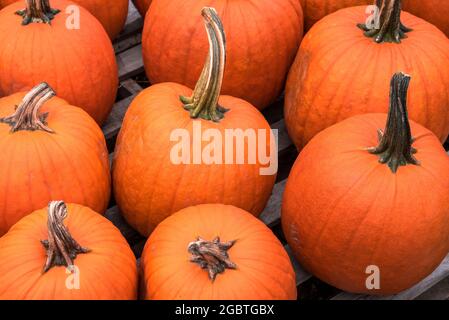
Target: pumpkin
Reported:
[(434, 11), (78, 63), (219, 258), (341, 71), (50, 150), (173, 153), (66, 252), (259, 55), (142, 6), (111, 14), (362, 203), (315, 10)]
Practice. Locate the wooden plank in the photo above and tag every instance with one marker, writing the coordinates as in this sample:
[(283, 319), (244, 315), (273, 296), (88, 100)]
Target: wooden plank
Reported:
[(133, 25), (301, 274), (132, 236), (272, 213), (440, 291), (130, 62)]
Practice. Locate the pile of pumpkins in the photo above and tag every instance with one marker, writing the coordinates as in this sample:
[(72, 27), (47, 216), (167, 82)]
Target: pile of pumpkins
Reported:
[(368, 189)]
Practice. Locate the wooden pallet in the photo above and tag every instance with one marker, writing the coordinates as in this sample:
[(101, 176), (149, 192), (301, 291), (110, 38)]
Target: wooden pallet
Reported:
[(133, 80)]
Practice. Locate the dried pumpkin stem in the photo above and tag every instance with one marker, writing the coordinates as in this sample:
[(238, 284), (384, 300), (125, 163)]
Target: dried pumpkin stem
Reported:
[(395, 144), (61, 248), (389, 27), (212, 255), (204, 101), (26, 116), (37, 11)]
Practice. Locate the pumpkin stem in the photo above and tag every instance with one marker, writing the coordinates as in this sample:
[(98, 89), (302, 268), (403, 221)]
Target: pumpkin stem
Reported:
[(395, 143), (212, 255), (388, 26), (204, 101), (61, 248), (38, 11), (26, 115)]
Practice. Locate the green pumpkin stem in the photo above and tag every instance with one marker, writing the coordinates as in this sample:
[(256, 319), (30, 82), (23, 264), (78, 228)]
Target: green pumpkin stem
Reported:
[(204, 101), (61, 248), (395, 143), (212, 255), (37, 11), (26, 116), (389, 27)]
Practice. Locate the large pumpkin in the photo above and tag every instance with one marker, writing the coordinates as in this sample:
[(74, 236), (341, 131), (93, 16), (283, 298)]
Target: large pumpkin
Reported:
[(223, 252), (78, 63), (50, 150), (315, 10), (82, 258), (262, 44), (111, 14), (341, 71), (142, 6), (370, 219), (434, 11), (165, 160)]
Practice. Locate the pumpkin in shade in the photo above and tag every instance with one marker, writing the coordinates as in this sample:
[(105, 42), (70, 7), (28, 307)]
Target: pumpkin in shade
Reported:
[(142, 6), (78, 63), (342, 70), (50, 150), (66, 252), (259, 55), (358, 197), (434, 11), (315, 10), (153, 177), (216, 252), (111, 14)]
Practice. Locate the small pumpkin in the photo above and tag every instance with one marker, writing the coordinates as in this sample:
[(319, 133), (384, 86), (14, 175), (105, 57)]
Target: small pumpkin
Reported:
[(433, 11), (111, 14), (201, 253), (151, 183), (142, 6), (66, 252), (259, 55), (50, 150), (361, 202), (342, 70), (78, 63)]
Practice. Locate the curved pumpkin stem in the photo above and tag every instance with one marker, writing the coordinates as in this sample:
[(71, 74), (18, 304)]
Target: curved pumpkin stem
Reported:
[(26, 115), (389, 27), (38, 11), (212, 255), (204, 101), (395, 144), (61, 248)]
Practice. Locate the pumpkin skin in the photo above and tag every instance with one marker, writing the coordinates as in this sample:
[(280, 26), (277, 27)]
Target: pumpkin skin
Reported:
[(433, 11), (259, 56), (108, 272), (142, 6), (166, 257), (315, 10), (350, 73), (344, 211), (38, 166), (79, 64), (111, 14)]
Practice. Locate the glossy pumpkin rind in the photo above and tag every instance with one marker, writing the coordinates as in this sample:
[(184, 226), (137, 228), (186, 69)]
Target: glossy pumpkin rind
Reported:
[(79, 64), (260, 275), (339, 73), (107, 272), (433, 11)]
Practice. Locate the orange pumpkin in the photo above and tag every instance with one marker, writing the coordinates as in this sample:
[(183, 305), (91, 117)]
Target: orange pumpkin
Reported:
[(340, 71), (151, 181), (351, 211), (315, 10), (259, 54), (83, 258), (78, 63), (219, 258), (111, 14), (434, 11), (142, 6), (50, 150)]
